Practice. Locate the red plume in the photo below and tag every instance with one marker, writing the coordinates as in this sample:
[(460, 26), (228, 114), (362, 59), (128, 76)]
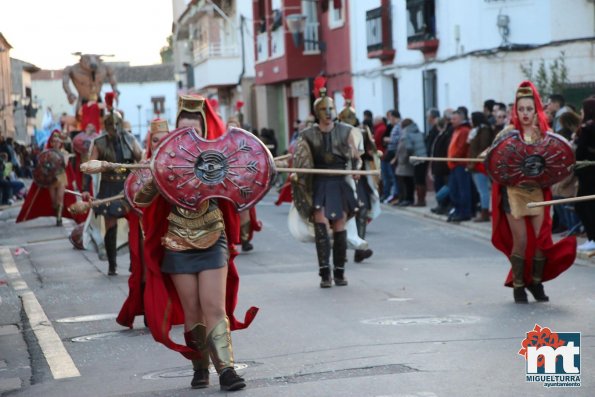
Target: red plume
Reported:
[(348, 93), (214, 104), (109, 100), (239, 105), (319, 82)]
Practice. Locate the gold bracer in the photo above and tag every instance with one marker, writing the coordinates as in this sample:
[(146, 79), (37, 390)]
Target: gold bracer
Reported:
[(145, 196), (187, 230)]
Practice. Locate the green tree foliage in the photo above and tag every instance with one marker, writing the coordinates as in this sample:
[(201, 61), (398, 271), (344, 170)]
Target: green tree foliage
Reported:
[(548, 79), (167, 52)]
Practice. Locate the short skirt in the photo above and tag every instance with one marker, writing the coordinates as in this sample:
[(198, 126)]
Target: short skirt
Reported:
[(196, 260), (116, 208), (335, 195)]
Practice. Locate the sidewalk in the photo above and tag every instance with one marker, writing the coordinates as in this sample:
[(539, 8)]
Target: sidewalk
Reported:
[(483, 228)]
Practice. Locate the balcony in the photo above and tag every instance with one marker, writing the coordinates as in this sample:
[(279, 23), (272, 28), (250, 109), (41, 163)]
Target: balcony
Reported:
[(379, 35), (311, 41), (204, 51), (421, 31), (262, 47), (278, 43)]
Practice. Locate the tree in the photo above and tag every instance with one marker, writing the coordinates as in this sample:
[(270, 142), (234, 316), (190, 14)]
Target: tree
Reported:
[(548, 80), (167, 52)]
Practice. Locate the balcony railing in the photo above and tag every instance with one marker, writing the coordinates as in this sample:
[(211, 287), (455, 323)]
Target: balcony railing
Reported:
[(278, 42), (311, 43), (203, 51), (262, 47)]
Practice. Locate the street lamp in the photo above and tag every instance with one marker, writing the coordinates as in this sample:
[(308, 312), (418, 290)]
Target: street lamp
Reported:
[(296, 24), (139, 120)]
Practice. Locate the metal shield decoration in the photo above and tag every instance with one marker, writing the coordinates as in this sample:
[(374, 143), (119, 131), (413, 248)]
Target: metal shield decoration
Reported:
[(82, 142), (188, 169), (50, 164), (134, 182), (513, 162), (302, 184)]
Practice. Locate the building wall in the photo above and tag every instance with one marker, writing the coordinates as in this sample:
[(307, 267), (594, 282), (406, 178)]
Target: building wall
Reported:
[(6, 116), (336, 59), (51, 95), (134, 94)]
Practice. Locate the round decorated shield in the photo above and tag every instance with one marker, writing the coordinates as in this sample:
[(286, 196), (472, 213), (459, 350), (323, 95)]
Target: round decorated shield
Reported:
[(302, 184), (50, 164), (76, 236), (188, 169), (513, 162), (82, 142), (134, 182)]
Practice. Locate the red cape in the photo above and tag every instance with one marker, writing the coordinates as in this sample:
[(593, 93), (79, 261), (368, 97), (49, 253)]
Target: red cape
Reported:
[(285, 193), (162, 305), (39, 203), (560, 256), (133, 305), (255, 224)]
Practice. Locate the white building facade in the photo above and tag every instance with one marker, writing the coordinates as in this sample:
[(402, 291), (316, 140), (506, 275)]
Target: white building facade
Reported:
[(473, 52)]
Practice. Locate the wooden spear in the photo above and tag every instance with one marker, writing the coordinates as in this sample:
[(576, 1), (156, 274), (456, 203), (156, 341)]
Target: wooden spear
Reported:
[(561, 201)]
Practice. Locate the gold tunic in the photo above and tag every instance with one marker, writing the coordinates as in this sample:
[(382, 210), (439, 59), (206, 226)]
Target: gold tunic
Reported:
[(187, 229)]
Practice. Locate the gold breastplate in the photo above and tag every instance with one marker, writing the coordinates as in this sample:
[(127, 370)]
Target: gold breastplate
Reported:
[(193, 229)]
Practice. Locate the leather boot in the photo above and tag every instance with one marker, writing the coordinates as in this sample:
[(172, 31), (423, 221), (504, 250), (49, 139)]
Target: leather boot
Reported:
[(536, 286), (484, 216), (196, 339), (339, 257), (323, 251), (421, 196), (110, 241), (59, 215), (518, 281), (245, 237), (219, 342), (361, 222)]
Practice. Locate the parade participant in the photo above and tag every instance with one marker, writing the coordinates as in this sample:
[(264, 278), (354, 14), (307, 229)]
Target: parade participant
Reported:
[(114, 145), (524, 234), (191, 275), (332, 147), (50, 200), (133, 305), (585, 150), (366, 187)]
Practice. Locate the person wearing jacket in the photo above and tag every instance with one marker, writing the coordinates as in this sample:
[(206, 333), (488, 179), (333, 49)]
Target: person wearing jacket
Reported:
[(480, 138)]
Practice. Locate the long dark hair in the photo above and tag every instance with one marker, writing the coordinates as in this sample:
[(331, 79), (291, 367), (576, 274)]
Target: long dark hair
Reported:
[(478, 118)]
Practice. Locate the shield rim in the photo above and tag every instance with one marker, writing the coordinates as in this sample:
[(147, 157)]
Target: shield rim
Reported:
[(302, 185)]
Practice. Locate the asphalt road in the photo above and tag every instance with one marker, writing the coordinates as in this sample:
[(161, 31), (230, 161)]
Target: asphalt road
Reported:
[(426, 316)]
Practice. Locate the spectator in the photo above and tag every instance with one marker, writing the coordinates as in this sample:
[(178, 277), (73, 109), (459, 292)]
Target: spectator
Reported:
[(556, 106), (480, 138), (5, 186), (267, 136), (488, 111), (389, 178), (368, 120), (411, 143), (585, 150), (501, 121), (459, 182)]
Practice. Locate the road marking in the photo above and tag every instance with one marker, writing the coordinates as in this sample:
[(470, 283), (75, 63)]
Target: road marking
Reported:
[(51, 345)]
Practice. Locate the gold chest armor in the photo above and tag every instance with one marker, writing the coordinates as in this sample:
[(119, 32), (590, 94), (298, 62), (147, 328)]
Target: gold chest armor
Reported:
[(193, 229)]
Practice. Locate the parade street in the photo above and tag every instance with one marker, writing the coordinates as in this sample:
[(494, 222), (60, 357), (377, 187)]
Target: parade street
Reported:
[(426, 316)]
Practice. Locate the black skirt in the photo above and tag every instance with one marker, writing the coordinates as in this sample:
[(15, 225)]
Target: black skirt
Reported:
[(116, 208), (196, 260), (364, 193), (334, 195)]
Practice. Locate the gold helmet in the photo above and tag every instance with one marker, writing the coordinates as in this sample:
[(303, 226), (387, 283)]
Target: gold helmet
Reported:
[(347, 115), (113, 121), (323, 105)]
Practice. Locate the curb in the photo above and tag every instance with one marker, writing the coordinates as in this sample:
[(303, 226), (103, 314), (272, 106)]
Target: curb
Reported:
[(582, 258)]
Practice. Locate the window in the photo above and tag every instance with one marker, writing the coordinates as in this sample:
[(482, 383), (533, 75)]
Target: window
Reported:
[(430, 79), (309, 9), (336, 13), (421, 20)]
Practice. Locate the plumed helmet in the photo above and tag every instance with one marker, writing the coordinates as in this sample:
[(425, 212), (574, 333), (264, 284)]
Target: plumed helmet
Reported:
[(323, 103), (347, 115)]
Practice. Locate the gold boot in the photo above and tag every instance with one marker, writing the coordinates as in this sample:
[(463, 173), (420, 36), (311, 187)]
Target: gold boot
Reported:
[(196, 339), (220, 347), (518, 279)]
